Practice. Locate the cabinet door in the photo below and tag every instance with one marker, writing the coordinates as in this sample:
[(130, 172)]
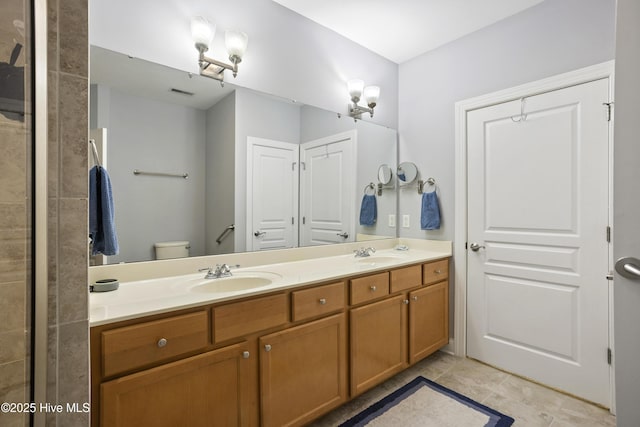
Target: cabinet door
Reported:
[(428, 320), (204, 390), (303, 371), (378, 342)]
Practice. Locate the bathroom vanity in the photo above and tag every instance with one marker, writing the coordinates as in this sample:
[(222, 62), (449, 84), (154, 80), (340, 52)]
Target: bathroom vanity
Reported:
[(282, 351)]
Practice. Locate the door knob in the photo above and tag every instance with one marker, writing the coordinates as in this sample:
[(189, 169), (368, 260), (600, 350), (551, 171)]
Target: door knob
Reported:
[(344, 235), (475, 247), (259, 233), (628, 267)]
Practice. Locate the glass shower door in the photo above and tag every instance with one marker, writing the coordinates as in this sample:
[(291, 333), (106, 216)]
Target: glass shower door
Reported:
[(16, 209)]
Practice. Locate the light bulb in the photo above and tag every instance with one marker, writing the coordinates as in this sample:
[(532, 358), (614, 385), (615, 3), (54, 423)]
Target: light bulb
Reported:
[(236, 42), (202, 32), (371, 95), (355, 86)]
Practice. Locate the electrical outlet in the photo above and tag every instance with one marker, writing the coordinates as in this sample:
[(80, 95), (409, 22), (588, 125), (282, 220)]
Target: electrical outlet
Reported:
[(406, 221), (392, 220)]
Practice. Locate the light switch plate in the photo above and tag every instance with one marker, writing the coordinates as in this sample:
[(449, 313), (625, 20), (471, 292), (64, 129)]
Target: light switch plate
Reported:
[(406, 221), (392, 220)]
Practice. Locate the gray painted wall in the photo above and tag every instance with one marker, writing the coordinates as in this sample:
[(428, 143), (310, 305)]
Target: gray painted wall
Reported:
[(220, 161), (154, 209), (553, 37), (626, 233), (288, 55)]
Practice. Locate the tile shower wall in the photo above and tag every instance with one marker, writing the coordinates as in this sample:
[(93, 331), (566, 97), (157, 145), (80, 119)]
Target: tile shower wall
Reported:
[(15, 208), (68, 353)]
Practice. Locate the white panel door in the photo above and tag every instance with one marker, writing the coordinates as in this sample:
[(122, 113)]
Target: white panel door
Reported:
[(327, 182), (272, 194), (538, 210)]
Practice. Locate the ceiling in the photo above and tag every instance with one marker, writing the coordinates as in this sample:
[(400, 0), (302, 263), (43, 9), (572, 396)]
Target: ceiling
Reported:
[(403, 29)]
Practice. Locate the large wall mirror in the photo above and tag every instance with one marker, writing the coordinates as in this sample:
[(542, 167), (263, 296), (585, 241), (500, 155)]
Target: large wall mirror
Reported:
[(263, 172)]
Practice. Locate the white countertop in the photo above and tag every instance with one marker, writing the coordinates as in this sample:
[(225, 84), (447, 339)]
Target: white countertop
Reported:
[(139, 298)]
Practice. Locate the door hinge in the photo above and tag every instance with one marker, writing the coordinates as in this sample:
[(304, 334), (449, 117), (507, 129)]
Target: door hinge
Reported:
[(293, 166), (608, 105), (466, 245), (292, 221), (609, 356), (608, 234), (304, 220)]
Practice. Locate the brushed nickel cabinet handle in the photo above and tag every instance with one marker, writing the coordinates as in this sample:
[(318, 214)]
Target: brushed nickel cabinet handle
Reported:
[(267, 347), (373, 288), (162, 342), (405, 301), (415, 298), (245, 354), (322, 301), (437, 271)]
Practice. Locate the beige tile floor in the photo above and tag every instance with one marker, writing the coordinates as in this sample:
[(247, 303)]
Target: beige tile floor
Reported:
[(530, 404)]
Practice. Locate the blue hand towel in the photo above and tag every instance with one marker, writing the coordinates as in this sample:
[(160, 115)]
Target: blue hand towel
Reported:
[(368, 210), (430, 213), (101, 225)]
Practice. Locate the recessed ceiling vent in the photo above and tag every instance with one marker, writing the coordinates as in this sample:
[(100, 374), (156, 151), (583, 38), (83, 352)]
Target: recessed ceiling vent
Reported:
[(182, 92)]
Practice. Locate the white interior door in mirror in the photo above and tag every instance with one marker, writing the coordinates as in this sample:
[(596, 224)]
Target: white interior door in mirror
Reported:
[(272, 194), (327, 180)]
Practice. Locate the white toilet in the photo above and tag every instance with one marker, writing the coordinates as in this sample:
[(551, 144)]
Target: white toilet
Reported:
[(169, 250)]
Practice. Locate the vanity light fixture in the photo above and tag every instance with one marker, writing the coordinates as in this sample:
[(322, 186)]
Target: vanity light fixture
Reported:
[(202, 32), (356, 90)]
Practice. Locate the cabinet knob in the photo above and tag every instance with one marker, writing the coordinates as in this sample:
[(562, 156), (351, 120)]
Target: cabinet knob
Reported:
[(322, 301), (437, 271), (245, 354), (406, 301), (267, 347), (162, 342), (373, 288), (415, 298)]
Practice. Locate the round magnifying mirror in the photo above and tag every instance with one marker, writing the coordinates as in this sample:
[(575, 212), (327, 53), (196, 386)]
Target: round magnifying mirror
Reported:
[(384, 174), (407, 172)]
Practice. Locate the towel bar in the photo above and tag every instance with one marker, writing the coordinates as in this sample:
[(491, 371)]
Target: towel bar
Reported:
[(173, 175)]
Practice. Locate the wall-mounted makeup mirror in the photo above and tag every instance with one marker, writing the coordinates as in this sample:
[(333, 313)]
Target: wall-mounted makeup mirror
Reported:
[(385, 174), (159, 119), (407, 172)]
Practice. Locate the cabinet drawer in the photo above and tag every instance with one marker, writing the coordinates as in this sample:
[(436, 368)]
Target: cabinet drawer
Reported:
[(369, 288), (317, 301), (246, 317), (406, 278), (435, 271), (146, 343)]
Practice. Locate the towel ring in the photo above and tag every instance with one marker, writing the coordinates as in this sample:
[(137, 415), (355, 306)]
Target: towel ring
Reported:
[(430, 182), (371, 186)]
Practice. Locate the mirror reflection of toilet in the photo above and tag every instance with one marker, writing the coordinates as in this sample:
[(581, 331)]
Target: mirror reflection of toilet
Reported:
[(169, 250)]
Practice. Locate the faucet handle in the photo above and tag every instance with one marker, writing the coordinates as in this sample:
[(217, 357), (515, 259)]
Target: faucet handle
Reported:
[(209, 271)]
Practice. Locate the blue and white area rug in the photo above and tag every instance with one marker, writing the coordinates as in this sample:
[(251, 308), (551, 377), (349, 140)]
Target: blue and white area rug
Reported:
[(423, 403)]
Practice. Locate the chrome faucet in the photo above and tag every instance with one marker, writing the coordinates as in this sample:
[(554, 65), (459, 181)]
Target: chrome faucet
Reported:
[(221, 270), (363, 252)]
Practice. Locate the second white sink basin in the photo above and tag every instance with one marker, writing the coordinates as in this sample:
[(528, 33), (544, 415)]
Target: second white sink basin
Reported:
[(232, 283), (373, 260)]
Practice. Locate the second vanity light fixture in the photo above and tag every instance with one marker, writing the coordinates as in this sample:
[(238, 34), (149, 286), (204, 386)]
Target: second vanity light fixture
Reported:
[(203, 32), (356, 91)]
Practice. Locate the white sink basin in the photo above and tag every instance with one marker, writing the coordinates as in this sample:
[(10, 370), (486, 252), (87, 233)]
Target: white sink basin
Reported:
[(234, 283), (373, 260)]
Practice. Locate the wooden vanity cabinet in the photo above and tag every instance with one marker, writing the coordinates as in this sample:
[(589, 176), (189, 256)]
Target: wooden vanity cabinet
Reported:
[(303, 371), (190, 392), (428, 320), (378, 342), (280, 359)]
